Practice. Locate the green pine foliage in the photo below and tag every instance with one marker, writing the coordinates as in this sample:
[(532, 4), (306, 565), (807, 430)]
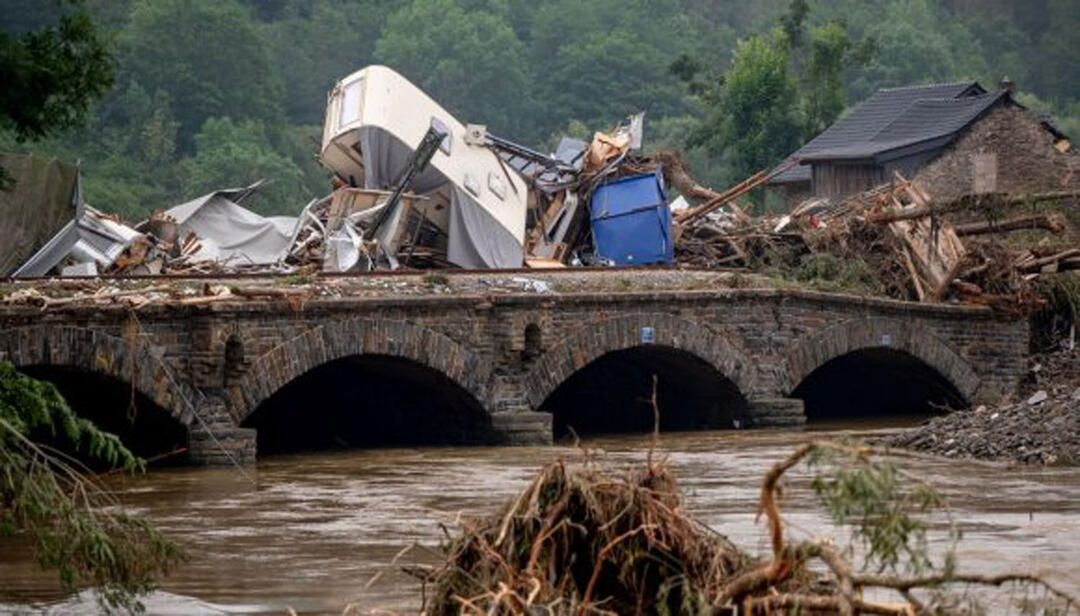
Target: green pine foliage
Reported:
[(74, 524)]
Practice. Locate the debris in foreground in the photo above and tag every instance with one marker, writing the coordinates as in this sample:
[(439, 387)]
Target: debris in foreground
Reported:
[(582, 540)]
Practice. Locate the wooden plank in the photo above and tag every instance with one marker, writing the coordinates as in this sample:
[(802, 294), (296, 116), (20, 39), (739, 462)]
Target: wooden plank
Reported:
[(1047, 222), (540, 263), (913, 272), (932, 247)]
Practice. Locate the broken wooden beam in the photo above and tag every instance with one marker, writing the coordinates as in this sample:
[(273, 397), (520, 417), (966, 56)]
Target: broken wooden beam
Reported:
[(1038, 264), (968, 202), (1049, 222)]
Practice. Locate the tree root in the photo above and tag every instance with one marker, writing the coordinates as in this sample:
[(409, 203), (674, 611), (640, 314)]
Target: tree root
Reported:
[(787, 559)]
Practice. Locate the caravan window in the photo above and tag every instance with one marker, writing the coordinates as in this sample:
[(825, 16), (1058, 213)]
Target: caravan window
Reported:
[(472, 184), (440, 126), (350, 103), (495, 185)]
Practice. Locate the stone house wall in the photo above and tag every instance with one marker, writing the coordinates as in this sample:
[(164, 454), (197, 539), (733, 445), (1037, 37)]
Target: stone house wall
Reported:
[(1007, 150)]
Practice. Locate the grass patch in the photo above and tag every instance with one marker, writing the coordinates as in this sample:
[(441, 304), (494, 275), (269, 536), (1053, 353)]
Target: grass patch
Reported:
[(435, 280), (294, 280)]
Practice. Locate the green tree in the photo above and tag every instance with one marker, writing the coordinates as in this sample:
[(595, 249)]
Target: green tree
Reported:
[(471, 62), (753, 122), (51, 75), (597, 62), (231, 153), (917, 43), (824, 92), (72, 523), (316, 43), (207, 56), (1057, 72), (528, 69), (127, 155)]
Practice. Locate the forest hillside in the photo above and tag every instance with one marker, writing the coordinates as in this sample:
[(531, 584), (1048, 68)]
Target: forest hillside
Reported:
[(218, 93)]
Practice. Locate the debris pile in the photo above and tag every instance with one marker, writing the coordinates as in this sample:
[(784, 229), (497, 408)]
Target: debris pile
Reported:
[(903, 239), (585, 540), (1041, 429), (414, 188), (1041, 426), (136, 296), (298, 289), (575, 539)]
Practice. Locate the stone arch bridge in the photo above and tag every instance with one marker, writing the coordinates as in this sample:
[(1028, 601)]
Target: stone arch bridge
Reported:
[(211, 367)]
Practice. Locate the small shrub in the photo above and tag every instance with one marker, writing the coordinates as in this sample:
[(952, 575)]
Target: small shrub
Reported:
[(436, 280)]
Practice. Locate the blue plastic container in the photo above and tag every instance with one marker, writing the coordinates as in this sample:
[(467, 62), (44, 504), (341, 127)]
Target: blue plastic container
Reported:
[(631, 221)]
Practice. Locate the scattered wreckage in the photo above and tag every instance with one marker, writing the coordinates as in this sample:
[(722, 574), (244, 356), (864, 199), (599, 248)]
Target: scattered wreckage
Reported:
[(908, 246), (412, 187)]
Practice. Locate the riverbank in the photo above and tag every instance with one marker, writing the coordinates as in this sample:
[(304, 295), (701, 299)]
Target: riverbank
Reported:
[(1040, 425)]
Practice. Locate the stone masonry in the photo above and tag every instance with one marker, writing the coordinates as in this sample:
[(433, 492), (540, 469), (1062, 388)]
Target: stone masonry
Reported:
[(211, 365)]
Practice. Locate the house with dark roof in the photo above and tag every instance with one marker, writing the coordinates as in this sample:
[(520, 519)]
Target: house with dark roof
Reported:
[(907, 129)]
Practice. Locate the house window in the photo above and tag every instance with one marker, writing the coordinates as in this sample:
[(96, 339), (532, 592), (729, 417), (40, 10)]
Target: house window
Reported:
[(984, 166)]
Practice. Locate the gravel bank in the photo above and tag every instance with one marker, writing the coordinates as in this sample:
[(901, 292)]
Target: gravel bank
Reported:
[(1041, 427)]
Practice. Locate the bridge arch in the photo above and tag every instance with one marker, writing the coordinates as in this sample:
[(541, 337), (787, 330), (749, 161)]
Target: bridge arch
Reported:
[(596, 338), (322, 345), (96, 352), (902, 346)]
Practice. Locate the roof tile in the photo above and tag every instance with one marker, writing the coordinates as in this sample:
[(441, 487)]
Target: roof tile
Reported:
[(874, 116)]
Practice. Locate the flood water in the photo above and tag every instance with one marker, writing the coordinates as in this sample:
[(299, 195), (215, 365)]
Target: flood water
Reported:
[(311, 531)]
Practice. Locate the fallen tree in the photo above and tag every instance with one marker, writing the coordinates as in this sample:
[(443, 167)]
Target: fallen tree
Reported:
[(46, 497)]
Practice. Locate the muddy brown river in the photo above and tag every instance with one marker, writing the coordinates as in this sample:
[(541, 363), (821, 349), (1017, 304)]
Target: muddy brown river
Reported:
[(316, 532)]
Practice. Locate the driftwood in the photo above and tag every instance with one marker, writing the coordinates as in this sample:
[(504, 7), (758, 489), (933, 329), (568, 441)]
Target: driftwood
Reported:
[(932, 246), (888, 240), (674, 167), (725, 198), (1038, 264), (45, 301), (269, 292), (1049, 222), (969, 202)]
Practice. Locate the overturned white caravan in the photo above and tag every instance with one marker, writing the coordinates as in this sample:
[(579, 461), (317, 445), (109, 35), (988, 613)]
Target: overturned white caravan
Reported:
[(471, 207)]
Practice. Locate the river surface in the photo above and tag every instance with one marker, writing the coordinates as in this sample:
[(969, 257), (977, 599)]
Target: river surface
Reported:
[(316, 532)]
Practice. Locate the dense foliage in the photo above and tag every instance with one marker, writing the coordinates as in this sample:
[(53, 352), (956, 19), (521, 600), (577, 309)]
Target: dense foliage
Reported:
[(71, 522), (739, 84)]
